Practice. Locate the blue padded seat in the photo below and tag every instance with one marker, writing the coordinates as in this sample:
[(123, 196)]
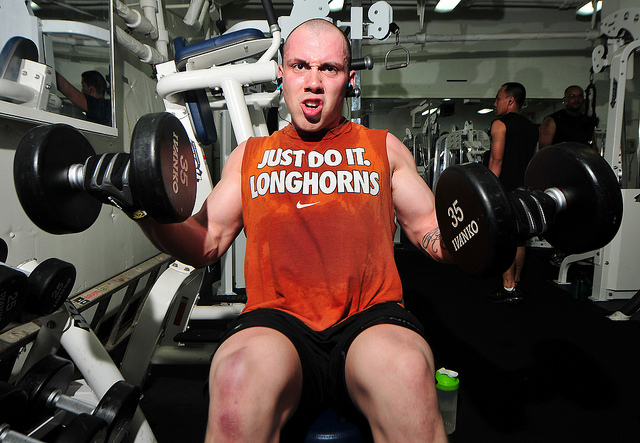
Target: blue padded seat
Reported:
[(13, 52), (330, 428), (184, 53), (196, 101)]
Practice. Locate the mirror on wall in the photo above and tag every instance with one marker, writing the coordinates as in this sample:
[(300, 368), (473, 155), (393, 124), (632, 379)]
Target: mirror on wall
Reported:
[(56, 62)]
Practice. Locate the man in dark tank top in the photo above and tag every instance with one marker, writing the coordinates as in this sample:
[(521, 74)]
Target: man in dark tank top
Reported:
[(513, 142)]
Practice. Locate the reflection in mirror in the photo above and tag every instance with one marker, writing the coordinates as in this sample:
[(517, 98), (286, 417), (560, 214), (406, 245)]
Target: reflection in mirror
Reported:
[(56, 57)]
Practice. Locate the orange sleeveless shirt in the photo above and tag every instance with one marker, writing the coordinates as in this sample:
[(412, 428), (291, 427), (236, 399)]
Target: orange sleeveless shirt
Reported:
[(319, 222)]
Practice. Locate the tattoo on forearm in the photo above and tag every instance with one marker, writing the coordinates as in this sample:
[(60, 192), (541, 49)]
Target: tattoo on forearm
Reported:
[(432, 242)]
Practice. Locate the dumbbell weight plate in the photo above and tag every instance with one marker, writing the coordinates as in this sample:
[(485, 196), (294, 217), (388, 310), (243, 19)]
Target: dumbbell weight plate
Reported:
[(594, 201), (13, 294), (117, 408), (40, 175), (4, 250), (163, 173), (50, 283), (13, 405), (48, 374), (84, 428), (475, 219)]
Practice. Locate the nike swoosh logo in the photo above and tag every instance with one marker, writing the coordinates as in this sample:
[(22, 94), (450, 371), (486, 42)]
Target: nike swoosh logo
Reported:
[(305, 205)]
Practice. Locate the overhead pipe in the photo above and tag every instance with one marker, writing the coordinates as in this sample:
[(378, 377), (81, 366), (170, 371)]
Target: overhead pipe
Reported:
[(150, 9), (194, 12), (135, 20), (162, 43), (422, 38), (144, 52)]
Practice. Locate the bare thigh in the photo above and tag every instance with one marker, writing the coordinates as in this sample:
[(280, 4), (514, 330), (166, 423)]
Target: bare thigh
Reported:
[(255, 383)]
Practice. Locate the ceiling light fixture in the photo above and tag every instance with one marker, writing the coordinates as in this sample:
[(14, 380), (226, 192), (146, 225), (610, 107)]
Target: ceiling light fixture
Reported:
[(485, 111), (336, 5), (587, 8), (446, 5)]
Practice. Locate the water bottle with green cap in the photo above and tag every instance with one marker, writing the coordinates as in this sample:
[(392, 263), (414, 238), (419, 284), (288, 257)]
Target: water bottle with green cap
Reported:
[(447, 383)]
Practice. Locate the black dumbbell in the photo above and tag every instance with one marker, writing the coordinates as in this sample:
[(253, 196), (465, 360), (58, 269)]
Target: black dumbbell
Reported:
[(84, 428), (46, 382), (572, 198), (49, 168), (13, 405), (49, 284), (13, 294)]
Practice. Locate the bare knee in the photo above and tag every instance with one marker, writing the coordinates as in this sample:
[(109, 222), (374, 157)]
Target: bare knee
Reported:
[(254, 384), (391, 378)]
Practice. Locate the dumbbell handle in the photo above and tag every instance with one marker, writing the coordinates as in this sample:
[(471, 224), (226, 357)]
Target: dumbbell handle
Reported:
[(9, 436), (76, 173), (26, 267), (535, 211), (61, 401), (105, 177), (558, 196)]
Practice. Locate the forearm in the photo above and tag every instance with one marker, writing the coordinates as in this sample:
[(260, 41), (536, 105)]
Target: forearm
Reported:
[(189, 242), (495, 165), (433, 245), (429, 241)]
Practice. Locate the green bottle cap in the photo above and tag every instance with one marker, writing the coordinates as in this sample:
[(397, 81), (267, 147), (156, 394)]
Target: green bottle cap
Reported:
[(447, 380)]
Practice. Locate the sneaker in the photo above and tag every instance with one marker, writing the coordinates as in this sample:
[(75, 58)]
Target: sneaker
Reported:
[(504, 296)]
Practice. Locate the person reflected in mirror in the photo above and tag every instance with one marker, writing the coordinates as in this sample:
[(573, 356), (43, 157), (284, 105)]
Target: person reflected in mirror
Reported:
[(91, 99), (570, 124), (513, 142)]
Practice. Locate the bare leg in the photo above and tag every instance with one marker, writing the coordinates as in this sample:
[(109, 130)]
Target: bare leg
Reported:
[(520, 253), (391, 377), (512, 275), (254, 384)]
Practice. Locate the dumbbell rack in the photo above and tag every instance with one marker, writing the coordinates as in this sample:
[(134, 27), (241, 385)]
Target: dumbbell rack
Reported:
[(67, 328)]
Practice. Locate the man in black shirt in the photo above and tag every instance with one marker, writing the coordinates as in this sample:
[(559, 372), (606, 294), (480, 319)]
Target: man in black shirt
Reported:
[(513, 142), (569, 124), (90, 99)]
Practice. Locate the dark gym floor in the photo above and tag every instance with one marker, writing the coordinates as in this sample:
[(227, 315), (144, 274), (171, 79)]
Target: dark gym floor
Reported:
[(551, 369)]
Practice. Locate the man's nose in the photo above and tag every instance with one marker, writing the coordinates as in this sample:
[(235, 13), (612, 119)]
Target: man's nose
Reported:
[(314, 79)]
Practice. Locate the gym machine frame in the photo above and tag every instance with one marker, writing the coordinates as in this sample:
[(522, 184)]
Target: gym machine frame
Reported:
[(615, 266)]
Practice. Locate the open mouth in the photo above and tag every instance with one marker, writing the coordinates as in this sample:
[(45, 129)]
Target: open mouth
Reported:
[(311, 107)]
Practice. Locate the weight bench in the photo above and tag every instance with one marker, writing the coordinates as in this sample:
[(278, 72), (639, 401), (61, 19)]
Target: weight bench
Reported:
[(221, 50)]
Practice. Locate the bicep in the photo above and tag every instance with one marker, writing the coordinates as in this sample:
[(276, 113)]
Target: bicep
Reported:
[(413, 201), (221, 214), (547, 131), (498, 138)]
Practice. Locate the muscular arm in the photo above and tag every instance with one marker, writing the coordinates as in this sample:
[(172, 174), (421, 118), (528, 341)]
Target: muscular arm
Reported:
[(203, 238), (71, 92), (547, 132), (498, 137), (414, 202)]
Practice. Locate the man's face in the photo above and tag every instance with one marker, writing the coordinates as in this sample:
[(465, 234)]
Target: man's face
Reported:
[(501, 105), (574, 99), (86, 89), (314, 78)]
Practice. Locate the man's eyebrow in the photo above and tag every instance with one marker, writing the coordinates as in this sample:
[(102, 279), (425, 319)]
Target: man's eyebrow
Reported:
[(328, 64)]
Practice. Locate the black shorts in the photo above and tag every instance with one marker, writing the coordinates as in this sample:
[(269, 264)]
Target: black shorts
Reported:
[(323, 353)]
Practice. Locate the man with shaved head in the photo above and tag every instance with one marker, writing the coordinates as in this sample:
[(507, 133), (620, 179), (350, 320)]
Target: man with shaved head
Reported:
[(324, 325)]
